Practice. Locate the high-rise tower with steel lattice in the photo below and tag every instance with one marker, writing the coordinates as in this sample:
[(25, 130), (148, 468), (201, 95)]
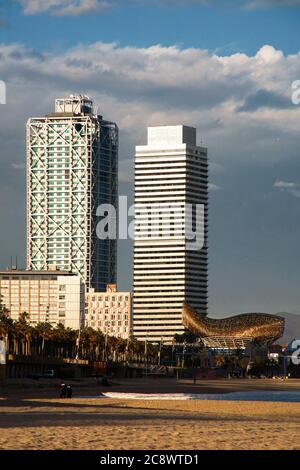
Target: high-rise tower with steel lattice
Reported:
[(72, 168)]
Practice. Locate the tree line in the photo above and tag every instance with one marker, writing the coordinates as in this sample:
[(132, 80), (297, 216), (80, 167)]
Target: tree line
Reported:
[(22, 338)]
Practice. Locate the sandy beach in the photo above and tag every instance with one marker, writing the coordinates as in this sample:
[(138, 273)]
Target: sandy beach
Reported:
[(34, 419)]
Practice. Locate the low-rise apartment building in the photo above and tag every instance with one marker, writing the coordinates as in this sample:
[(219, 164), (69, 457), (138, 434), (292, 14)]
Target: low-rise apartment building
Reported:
[(54, 296), (109, 312)]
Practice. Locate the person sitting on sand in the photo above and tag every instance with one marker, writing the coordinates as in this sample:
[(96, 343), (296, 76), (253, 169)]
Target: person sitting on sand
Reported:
[(69, 391), (63, 391)]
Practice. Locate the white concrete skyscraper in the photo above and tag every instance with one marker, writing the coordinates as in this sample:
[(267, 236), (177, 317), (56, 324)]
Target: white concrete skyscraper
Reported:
[(170, 171), (72, 168)]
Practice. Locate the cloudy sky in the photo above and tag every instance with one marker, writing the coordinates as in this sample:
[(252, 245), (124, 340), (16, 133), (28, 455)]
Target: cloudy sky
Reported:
[(225, 67)]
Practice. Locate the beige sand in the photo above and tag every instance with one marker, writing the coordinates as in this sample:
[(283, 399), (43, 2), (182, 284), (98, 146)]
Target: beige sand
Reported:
[(85, 423)]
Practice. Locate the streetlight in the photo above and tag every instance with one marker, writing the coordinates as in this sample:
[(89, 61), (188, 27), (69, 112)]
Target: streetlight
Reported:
[(106, 339), (173, 349), (183, 354), (44, 332), (146, 355), (160, 349), (78, 340)]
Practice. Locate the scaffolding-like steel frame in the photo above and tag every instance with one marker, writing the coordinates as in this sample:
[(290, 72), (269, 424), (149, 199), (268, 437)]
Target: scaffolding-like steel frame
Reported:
[(72, 159)]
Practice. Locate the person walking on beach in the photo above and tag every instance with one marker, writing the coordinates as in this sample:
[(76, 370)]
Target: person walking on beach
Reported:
[(63, 391)]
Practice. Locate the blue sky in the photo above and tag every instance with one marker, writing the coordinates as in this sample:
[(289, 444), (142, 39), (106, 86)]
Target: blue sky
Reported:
[(223, 67), (224, 28)]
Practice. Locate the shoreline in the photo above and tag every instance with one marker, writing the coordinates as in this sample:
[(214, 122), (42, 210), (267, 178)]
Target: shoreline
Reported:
[(50, 388)]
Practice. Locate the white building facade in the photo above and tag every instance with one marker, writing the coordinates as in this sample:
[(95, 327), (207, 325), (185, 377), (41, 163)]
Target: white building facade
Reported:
[(72, 168), (171, 171), (109, 312), (46, 296)]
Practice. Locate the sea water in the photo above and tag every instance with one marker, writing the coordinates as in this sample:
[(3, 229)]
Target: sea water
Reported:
[(275, 396)]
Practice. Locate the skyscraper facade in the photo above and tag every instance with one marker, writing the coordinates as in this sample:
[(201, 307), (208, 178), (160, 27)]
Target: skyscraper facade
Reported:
[(171, 172), (72, 168)]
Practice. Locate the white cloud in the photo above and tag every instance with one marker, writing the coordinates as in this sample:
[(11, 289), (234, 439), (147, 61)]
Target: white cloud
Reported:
[(18, 166), (284, 185), (64, 7), (269, 55), (80, 7), (160, 85), (272, 3), (213, 187), (288, 186)]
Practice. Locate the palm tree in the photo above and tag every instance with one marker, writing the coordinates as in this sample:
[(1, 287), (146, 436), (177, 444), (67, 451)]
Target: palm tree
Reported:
[(152, 352), (112, 343), (22, 333), (6, 324), (42, 333), (133, 348), (43, 339), (92, 343), (63, 340), (121, 347)]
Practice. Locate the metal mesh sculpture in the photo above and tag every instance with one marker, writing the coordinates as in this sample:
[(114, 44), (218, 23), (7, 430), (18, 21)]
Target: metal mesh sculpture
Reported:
[(261, 328)]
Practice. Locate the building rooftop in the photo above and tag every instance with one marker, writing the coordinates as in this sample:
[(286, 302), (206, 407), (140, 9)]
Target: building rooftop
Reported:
[(77, 104), (110, 288), (170, 135), (24, 272)]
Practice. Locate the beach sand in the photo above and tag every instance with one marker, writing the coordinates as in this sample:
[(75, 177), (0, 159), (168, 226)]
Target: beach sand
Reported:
[(37, 421)]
